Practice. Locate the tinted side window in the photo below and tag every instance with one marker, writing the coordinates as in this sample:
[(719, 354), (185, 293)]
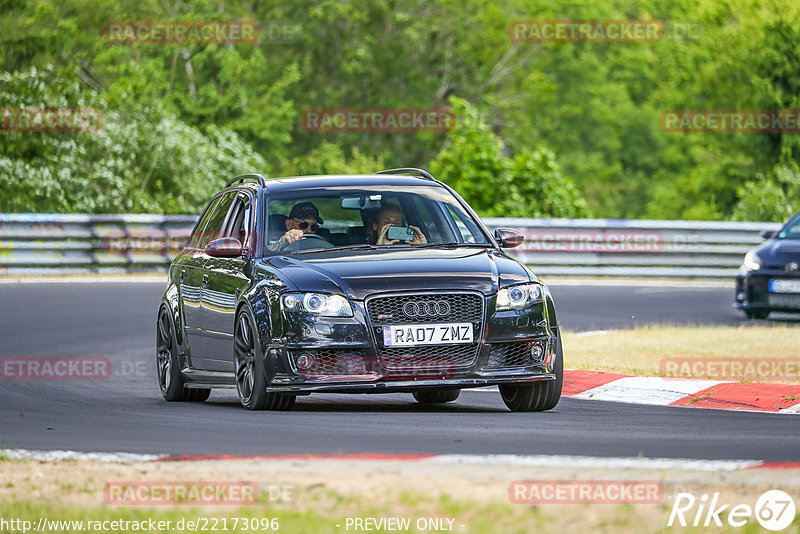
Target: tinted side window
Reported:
[(791, 230), (469, 231), (194, 240), (427, 217), (238, 225), (214, 228)]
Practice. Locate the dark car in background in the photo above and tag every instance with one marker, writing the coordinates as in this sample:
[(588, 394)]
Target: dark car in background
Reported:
[(769, 278), (353, 284)]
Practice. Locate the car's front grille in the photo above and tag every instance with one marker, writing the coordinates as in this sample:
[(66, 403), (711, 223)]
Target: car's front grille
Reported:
[(329, 362), (513, 354), (426, 308), (428, 360)]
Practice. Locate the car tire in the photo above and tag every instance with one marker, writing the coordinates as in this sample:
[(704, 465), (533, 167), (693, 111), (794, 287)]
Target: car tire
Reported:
[(251, 379), (436, 396), (538, 396), (168, 370), (756, 314)]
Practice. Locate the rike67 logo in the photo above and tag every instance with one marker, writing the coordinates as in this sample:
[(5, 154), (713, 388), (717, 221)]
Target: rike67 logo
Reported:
[(774, 510)]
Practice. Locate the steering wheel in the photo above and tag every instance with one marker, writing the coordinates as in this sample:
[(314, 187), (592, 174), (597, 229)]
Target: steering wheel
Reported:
[(308, 241)]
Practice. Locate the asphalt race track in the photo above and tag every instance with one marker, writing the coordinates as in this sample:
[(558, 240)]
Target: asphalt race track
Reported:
[(126, 412)]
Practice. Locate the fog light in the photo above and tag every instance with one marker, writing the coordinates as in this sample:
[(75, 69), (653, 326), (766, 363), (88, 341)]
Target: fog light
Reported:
[(290, 302), (304, 362), (537, 351)]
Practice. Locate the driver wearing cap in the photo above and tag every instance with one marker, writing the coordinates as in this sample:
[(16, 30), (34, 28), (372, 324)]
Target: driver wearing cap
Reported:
[(303, 219)]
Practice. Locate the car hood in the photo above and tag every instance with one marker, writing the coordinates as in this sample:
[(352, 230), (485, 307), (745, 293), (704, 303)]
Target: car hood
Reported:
[(778, 252), (361, 273)]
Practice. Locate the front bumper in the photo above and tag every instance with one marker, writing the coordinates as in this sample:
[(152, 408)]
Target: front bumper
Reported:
[(752, 292), (349, 354), (405, 385)]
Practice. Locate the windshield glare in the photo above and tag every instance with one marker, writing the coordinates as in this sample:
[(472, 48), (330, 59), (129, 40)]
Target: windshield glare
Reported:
[(381, 216), (791, 230)]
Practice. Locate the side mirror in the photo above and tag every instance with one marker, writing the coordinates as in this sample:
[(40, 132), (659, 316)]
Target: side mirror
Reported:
[(509, 238), (224, 247), (768, 234)]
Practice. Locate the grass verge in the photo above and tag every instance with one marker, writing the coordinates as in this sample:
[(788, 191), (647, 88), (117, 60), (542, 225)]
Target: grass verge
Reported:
[(640, 351)]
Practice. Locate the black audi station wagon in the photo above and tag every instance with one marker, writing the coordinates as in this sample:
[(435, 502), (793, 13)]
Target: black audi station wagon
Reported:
[(378, 283)]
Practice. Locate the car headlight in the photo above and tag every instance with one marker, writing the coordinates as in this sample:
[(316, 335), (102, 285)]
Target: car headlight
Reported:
[(320, 304), (751, 261), (517, 297)]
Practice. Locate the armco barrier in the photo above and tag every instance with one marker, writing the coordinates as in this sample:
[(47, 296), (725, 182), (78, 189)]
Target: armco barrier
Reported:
[(614, 247), (73, 244), (76, 244)]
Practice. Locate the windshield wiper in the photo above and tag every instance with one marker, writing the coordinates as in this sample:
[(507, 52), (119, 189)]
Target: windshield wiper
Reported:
[(404, 246), (453, 244), (362, 246)]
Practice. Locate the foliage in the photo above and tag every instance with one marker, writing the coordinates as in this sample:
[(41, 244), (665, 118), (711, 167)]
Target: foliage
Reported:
[(179, 117), (774, 197), (530, 184), (143, 162)]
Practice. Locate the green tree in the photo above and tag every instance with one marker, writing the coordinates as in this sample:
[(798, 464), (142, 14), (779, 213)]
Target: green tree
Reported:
[(135, 162), (528, 185)]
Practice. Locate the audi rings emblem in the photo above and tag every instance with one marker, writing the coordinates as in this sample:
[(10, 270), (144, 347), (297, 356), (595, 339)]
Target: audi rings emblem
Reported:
[(426, 308)]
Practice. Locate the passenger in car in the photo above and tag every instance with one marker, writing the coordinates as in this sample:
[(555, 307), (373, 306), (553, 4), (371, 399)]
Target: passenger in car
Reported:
[(388, 216)]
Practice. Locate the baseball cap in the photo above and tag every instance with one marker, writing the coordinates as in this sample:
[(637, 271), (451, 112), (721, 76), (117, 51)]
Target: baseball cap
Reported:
[(305, 210)]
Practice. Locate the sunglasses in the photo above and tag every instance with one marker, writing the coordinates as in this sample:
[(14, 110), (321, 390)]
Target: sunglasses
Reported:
[(305, 224)]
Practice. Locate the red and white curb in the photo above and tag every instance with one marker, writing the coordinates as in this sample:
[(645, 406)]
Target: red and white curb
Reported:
[(695, 393), (775, 398), (545, 461)]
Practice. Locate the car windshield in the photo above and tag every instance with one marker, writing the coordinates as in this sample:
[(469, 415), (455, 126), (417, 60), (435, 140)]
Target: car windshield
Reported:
[(356, 218), (791, 230)]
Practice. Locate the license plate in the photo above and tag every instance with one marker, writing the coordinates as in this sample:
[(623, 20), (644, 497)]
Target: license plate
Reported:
[(778, 300), (784, 286), (427, 334)]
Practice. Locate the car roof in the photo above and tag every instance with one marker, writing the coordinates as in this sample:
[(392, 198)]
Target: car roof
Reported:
[(296, 183)]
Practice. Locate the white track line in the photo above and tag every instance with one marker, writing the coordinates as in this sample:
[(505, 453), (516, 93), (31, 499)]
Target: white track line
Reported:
[(791, 409), (621, 282), (56, 456), (132, 279), (595, 461), (483, 459), (590, 333)]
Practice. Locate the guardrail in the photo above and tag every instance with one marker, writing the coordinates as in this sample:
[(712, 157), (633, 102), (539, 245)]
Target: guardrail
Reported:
[(76, 244), (647, 248), (32, 244)]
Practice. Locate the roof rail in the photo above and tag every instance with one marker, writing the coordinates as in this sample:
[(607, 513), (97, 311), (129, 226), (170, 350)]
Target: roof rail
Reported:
[(409, 170), (244, 177)]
